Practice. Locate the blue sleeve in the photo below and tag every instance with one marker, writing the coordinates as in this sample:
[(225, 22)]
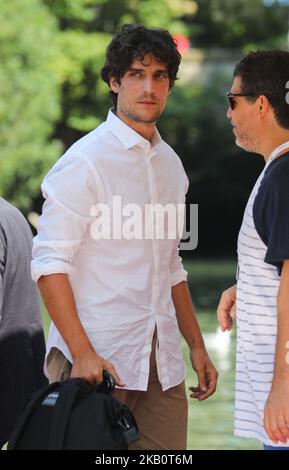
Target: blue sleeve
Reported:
[(271, 217)]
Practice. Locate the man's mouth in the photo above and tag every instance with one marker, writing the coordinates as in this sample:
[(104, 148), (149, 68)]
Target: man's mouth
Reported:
[(148, 102)]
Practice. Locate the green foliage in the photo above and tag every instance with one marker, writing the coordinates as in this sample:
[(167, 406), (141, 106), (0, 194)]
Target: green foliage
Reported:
[(236, 23), (221, 174), (51, 54), (85, 31), (29, 98)]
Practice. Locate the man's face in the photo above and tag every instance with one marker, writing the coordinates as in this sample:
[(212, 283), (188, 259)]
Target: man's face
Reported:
[(244, 119), (142, 91)]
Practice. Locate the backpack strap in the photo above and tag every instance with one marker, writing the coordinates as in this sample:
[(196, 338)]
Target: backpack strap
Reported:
[(31, 404), (128, 425)]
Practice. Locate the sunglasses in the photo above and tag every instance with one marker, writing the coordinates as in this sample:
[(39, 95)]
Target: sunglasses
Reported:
[(232, 102)]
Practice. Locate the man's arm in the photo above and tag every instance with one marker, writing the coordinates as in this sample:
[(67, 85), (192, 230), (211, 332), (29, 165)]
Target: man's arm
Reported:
[(226, 311), (189, 327), (59, 300), (276, 416)]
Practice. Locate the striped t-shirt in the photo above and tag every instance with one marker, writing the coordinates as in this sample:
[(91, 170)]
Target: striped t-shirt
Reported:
[(259, 263)]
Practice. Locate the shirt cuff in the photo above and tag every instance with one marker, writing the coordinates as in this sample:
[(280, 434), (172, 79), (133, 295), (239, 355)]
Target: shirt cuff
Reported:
[(44, 269), (178, 276)]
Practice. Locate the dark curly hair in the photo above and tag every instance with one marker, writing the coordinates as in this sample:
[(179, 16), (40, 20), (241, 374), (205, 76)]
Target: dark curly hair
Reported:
[(267, 73), (134, 42)]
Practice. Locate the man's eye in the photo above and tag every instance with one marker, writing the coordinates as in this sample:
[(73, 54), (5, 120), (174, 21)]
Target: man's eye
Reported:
[(162, 76), (135, 74)]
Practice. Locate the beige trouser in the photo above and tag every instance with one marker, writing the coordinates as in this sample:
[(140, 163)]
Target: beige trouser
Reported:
[(161, 416)]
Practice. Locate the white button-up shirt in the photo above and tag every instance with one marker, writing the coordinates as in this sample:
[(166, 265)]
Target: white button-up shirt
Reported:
[(122, 287)]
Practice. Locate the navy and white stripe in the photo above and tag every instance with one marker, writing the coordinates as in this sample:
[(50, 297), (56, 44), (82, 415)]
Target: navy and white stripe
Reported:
[(257, 288)]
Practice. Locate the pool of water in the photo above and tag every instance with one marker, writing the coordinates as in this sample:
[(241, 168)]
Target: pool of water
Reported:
[(211, 421)]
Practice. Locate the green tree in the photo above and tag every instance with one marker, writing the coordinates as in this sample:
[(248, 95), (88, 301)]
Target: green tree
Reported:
[(86, 27), (51, 55), (29, 103), (237, 24)]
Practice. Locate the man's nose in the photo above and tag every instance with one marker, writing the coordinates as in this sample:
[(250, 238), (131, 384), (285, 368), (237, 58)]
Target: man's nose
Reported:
[(229, 112), (148, 85)]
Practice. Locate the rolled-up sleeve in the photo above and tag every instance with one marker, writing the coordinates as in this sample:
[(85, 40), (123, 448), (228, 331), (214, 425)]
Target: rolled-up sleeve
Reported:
[(70, 190), (178, 273)]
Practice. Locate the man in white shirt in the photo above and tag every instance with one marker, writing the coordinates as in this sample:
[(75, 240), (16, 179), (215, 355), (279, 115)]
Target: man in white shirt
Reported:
[(259, 114), (118, 301)]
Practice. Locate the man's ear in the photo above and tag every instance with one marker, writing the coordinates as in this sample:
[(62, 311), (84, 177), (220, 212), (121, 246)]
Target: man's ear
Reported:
[(264, 105), (114, 84)]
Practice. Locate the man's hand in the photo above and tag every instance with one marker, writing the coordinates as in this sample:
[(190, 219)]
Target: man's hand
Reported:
[(226, 311), (276, 413), (206, 372), (90, 366)]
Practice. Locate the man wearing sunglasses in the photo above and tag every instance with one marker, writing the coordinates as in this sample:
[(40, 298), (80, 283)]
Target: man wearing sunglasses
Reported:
[(259, 113)]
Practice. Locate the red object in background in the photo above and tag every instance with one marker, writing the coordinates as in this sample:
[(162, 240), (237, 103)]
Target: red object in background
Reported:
[(182, 42)]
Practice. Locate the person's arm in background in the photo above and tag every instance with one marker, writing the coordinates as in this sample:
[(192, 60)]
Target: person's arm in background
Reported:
[(189, 327), (59, 300), (276, 414), (226, 311), (70, 190)]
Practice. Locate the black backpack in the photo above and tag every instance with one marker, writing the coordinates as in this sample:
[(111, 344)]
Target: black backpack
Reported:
[(73, 415)]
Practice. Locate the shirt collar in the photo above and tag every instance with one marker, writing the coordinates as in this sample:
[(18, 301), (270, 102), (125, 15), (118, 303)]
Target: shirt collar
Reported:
[(128, 137)]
